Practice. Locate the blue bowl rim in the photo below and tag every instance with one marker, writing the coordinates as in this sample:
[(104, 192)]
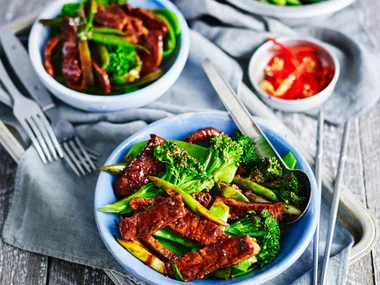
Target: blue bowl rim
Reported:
[(260, 278)]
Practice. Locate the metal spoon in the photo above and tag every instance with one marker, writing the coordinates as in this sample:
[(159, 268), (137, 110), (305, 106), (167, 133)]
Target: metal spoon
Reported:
[(247, 126)]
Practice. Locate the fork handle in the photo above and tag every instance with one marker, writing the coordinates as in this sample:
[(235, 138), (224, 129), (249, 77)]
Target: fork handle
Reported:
[(7, 81)]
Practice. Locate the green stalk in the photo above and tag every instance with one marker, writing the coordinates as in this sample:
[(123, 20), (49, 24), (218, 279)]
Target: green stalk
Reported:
[(138, 251), (189, 200), (174, 247), (247, 184), (231, 193), (114, 168), (115, 41), (51, 22), (169, 235), (106, 30)]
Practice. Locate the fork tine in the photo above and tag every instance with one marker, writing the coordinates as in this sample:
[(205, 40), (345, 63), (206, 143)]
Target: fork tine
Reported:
[(52, 136), (66, 157), (34, 141), (87, 157), (73, 158), (37, 119), (92, 153), (78, 155), (39, 137)]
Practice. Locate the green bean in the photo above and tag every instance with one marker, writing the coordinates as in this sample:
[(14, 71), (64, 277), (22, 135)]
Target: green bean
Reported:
[(115, 40)]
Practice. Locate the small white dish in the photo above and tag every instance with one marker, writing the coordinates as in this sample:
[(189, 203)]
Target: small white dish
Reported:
[(106, 103), (261, 58)]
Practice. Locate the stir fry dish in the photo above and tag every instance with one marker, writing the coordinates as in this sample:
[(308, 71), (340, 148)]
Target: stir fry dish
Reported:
[(290, 2), (103, 47), (190, 211), (295, 73)]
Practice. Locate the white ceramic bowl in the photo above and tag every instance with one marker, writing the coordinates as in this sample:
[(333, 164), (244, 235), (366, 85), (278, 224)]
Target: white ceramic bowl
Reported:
[(294, 15), (95, 103), (261, 58)]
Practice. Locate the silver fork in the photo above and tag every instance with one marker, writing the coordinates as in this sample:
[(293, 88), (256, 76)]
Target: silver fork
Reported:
[(33, 120)]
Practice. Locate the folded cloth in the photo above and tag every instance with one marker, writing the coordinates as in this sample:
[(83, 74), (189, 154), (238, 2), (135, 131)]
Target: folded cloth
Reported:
[(52, 210)]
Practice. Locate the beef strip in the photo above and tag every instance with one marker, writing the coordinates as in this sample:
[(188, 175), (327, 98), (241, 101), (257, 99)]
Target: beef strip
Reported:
[(239, 209), (144, 224), (150, 20), (102, 78), (136, 174), (200, 230), (163, 252), (203, 197), (202, 135), (140, 204), (50, 46), (112, 17), (70, 60), (153, 41), (225, 253), (134, 29)]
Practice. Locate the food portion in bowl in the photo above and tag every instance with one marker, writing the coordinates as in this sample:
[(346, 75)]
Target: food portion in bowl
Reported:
[(295, 73), (290, 2), (104, 47), (207, 206)]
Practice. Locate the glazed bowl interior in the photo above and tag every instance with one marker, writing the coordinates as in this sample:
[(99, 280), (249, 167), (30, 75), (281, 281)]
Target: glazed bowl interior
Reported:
[(262, 56), (178, 127), (101, 103)]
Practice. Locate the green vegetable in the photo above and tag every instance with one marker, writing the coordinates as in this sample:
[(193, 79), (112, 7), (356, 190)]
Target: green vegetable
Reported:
[(169, 235), (245, 264), (258, 189), (174, 247), (137, 250), (177, 273), (265, 229), (51, 22), (115, 41), (101, 55), (114, 168), (231, 193), (107, 30), (148, 78), (86, 63), (293, 2), (289, 183), (290, 160), (189, 200), (170, 40), (171, 17), (222, 273), (122, 60), (267, 169), (122, 206), (70, 9), (107, 3), (223, 152), (278, 2), (181, 168), (249, 157), (220, 210), (130, 76)]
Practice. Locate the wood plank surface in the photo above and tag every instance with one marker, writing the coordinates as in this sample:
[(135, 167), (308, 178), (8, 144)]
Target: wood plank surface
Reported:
[(362, 177)]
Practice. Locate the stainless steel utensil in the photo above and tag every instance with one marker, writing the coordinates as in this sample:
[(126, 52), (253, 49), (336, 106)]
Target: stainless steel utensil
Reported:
[(318, 177), (33, 120), (247, 126), (75, 154), (10, 143), (335, 202)]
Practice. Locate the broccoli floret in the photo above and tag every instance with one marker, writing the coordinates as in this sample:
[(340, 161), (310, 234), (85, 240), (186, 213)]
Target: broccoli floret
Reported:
[(223, 152), (122, 60), (249, 158), (265, 228), (289, 183), (293, 199), (181, 168), (268, 169)]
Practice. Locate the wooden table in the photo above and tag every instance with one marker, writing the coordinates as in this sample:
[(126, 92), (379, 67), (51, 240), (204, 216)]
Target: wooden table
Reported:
[(361, 176)]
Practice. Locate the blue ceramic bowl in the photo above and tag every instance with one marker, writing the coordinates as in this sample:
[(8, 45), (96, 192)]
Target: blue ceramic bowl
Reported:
[(178, 127), (105, 103)]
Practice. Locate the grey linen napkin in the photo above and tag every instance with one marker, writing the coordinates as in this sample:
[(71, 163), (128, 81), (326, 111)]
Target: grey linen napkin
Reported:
[(52, 210)]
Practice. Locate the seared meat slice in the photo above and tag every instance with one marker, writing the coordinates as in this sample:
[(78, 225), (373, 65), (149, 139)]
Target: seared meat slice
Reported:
[(203, 197), (150, 20), (102, 78), (153, 41), (239, 209), (161, 250), (50, 46), (225, 253), (144, 224), (134, 29), (70, 59), (138, 171), (112, 17), (202, 134), (198, 229)]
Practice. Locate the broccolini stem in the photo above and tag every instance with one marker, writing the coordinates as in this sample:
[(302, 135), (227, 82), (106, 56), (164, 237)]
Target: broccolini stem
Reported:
[(247, 184)]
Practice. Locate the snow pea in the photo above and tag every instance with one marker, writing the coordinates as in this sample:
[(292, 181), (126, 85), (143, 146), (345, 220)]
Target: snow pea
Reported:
[(116, 168), (231, 193), (70, 9), (174, 247)]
